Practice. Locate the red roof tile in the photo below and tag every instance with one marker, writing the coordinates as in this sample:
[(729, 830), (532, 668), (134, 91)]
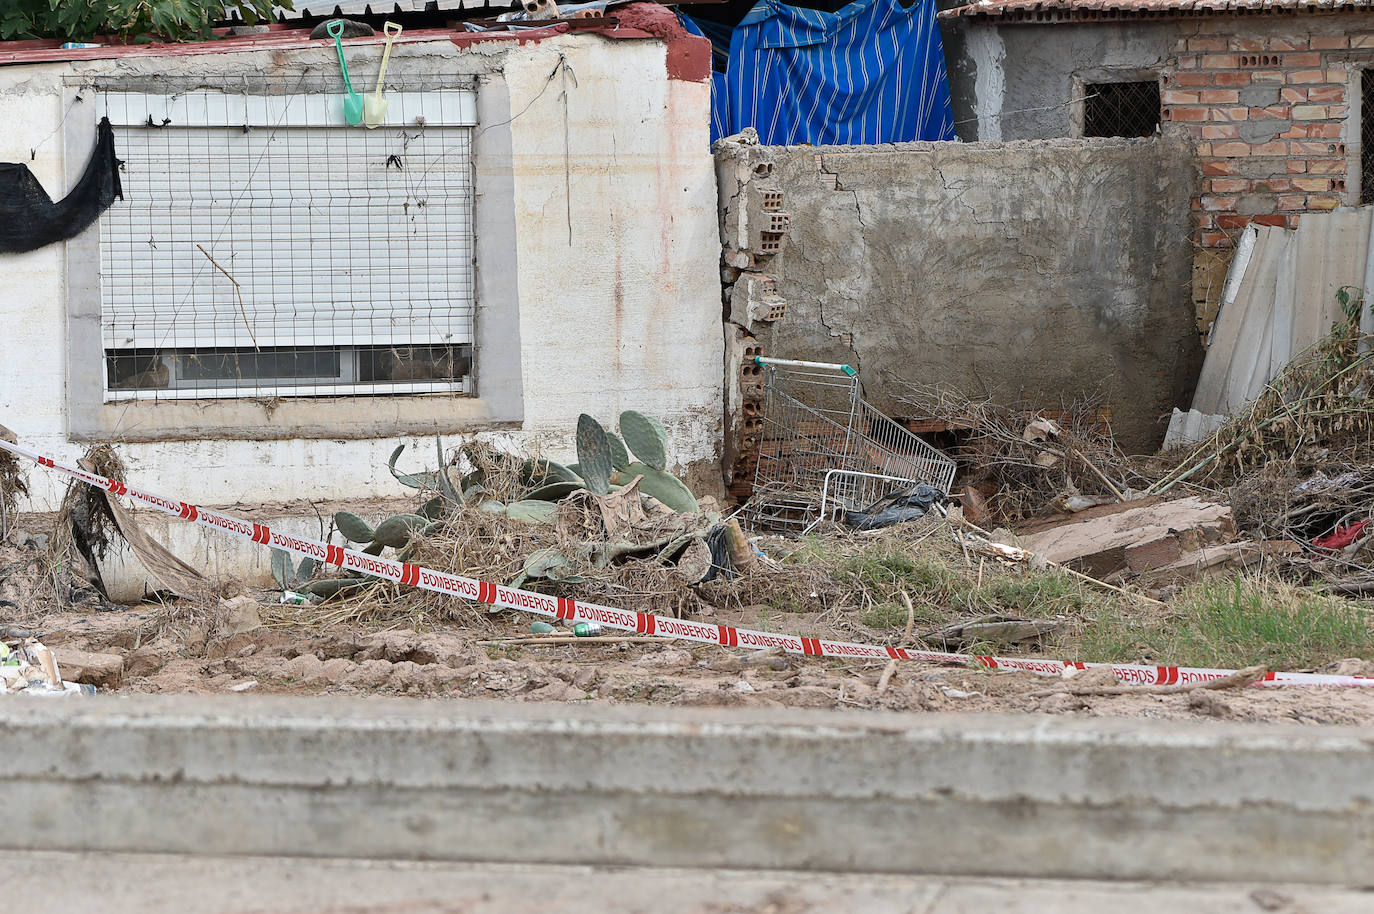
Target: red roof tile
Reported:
[(1097, 10)]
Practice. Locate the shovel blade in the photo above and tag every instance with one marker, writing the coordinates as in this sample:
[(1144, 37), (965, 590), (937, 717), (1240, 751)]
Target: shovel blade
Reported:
[(374, 112), (353, 109)]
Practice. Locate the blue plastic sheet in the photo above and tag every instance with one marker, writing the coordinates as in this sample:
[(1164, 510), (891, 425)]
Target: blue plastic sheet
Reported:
[(873, 72)]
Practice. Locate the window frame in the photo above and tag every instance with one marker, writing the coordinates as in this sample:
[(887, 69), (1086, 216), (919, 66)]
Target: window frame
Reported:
[(495, 379), (1082, 79)]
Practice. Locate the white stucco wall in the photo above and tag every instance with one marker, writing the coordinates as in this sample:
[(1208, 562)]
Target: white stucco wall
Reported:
[(626, 314)]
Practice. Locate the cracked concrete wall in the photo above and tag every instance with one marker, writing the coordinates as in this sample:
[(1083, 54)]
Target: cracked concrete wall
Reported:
[(1039, 270)]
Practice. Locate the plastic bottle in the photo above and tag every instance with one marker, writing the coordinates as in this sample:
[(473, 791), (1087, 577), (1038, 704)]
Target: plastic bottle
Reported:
[(587, 629), (542, 628)]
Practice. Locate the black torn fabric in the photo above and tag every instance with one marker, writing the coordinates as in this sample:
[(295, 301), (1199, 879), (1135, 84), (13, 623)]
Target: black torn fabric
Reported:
[(29, 219)]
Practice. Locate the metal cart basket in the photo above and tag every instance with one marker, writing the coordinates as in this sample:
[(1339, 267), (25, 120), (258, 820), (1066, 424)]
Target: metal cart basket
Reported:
[(823, 445)]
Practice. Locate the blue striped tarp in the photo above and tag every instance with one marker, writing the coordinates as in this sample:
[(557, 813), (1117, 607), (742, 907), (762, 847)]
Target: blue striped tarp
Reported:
[(873, 72)]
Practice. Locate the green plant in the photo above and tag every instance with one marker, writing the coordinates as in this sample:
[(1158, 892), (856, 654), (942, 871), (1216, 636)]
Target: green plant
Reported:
[(395, 531), (646, 437), (287, 577), (594, 455), (82, 20)]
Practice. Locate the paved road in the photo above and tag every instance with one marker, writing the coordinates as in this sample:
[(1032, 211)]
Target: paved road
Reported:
[(42, 882)]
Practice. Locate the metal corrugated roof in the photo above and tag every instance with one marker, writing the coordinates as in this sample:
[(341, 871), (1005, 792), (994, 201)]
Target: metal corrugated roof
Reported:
[(1068, 10), (305, 9)]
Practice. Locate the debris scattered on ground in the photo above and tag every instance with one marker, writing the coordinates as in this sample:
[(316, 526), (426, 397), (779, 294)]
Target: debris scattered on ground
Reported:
[(29, 667)]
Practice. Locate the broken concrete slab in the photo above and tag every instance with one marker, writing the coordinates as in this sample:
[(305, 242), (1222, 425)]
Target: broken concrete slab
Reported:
[(1138, 538), (1223, 558), (104, 671)]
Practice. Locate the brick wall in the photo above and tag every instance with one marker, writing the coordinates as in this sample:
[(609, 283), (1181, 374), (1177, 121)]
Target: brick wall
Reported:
[(1272, 124)]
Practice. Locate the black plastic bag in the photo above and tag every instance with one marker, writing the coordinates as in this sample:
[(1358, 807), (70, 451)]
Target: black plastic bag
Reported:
[(896, 508)]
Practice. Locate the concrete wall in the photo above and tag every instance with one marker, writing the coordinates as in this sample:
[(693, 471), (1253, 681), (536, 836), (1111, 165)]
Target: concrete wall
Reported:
[(1037, 270), (607, 271)]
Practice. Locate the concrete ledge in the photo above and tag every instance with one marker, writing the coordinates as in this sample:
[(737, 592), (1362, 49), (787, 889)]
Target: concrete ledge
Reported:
[(571, 784)]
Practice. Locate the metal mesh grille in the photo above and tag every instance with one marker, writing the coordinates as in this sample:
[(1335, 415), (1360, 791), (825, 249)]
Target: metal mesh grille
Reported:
[(1121, 109), (265, 248), (1367, 135)]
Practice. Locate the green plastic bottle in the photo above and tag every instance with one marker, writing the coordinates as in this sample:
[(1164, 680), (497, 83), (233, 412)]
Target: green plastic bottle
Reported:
[(587, 629), (542, 628)]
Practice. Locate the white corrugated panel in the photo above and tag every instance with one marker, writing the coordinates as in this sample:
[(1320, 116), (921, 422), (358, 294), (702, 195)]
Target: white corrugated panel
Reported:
[(299, 231)]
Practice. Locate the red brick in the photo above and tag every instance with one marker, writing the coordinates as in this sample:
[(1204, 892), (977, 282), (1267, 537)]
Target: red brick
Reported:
[(1266, 76), (1216, 240), (1293, 95), (1177, 97), (1307, 76), (1219, 96), (1227, 185), (1271, 219), (1231, 150), (1323, 93), (1276, 148), (1288, 44), (1218, 61), (1296, 132), (1336, 112), (1330, 43), (1280, 111), (1326, 166), (1336, 74), (1292, 201), (1218, 167), (1232, 221), (1187, 61), (1220, 132), (1203, 149), (1323, 201), (1302, 60), (1239, 78), (1230, 114), (1311, 112), (1206, 220), (1316, 149), (1324, 131), (1362, 40), (1190, 80), (1187, 114), (1296, 166), (1218, 204), (1247, 44), (1273, 185), (1312, 184)]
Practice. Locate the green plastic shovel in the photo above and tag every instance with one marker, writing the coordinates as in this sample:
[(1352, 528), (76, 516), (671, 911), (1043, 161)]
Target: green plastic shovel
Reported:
[(375, 110), (352, 102)]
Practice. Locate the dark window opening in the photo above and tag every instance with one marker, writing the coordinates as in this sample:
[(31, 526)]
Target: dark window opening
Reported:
[(1121, 109), (1367, 136)]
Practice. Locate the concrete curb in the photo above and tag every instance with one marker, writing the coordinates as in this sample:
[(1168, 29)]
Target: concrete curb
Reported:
[(941, 794)]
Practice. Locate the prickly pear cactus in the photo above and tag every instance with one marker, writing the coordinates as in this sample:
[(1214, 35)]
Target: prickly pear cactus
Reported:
[(646, 437), (594, 455)]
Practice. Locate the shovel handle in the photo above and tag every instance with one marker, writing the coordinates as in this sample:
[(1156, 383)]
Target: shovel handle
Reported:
[(391, 30), (335, 30)]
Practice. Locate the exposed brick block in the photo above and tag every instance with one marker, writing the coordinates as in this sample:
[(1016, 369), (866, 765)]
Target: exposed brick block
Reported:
[(1292, 201), (1203, 149), (1178, 97), (1312, 184), (1362, 40), (1221, 132), (1219, 96), (1310, 112), (1185, 113), (1336, 112), (1279, 111), (1190, 80), (1296, 132), (1325, 166), (1273, 184), (1187, 61), (1246, 44), (1302, 60), (1330, 43), (1271, 219), (1323, 201), (1336, 74), (1218, 167), (1276, 148), (1293, 95), (1324, 93), (1297, 166), (1324, 131), (1317, 149), (1231, 150), (1216, 240), (1267, 76), (1288, 44), (1218, 61), (1306, 76), (1227, 185), (1235, 78), (1230, 114), (1233, 221), (1206, 220), (1215, 204)]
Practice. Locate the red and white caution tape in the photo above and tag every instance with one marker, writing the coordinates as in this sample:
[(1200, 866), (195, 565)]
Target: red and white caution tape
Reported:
[(640, 623)]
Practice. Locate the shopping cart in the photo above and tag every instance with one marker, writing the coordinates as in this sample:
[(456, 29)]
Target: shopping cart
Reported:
[(824, 448)]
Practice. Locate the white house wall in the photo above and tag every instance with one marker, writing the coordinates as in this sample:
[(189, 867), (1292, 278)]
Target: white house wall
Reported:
[(614, 255)]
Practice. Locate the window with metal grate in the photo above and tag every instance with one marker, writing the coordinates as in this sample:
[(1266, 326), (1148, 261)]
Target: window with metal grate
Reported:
[(265, 248), (1367, 135), (1121, 109)]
